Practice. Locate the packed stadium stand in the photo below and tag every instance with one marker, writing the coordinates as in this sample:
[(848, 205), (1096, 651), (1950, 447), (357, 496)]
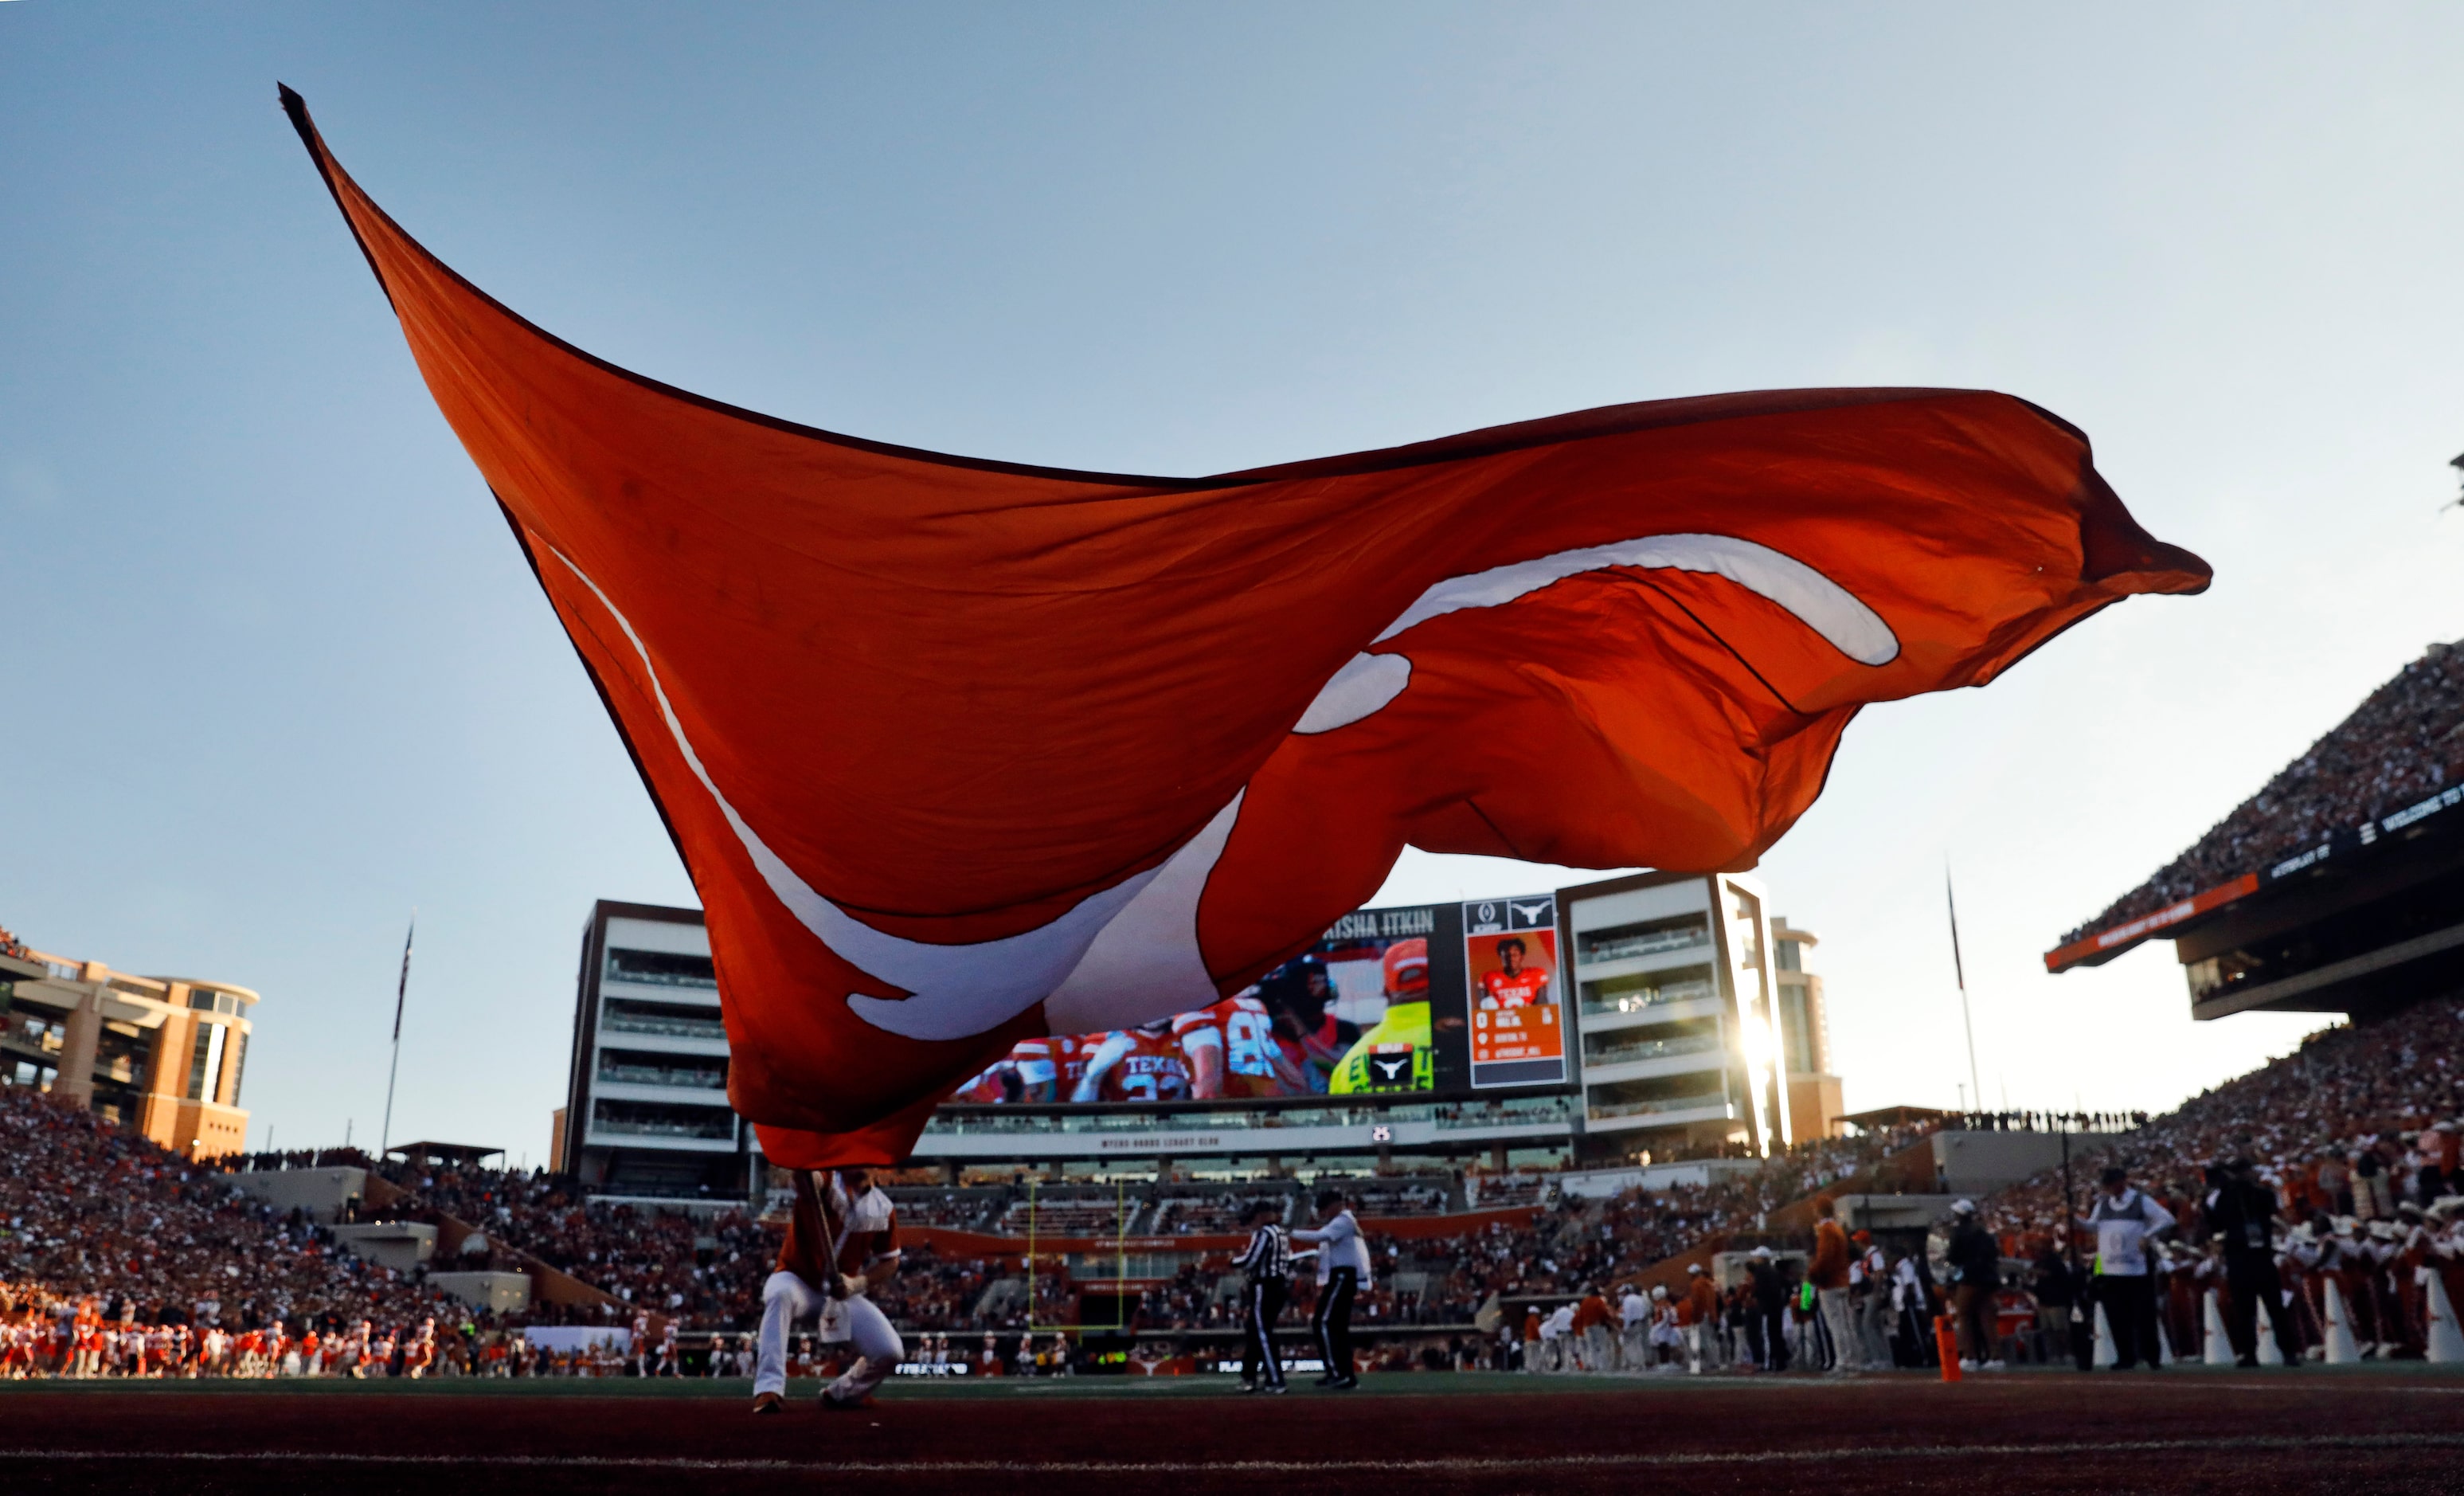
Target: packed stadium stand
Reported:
[(2402, 743), (2357, 1136), (2359, 1124), (1052, 1213), (957, 1210), (1216, 1213), (1500, 1191), (90, 1212)]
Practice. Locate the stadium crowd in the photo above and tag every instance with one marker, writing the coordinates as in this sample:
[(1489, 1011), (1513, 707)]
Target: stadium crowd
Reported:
[(2401, 745), (110, 1236), (115, 1254), (2356, 1141), (700, 1270)]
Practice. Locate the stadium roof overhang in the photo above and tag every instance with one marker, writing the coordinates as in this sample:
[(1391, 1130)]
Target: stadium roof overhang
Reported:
[(2349, 848), (2364, 921), (1894, 1116), (442, 1152)]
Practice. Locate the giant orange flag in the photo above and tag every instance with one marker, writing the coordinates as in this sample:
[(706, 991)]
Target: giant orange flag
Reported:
[(960, 752)]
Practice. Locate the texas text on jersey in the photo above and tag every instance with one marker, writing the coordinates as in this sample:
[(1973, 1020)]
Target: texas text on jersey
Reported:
[(1152, 1068), (1526, 988)]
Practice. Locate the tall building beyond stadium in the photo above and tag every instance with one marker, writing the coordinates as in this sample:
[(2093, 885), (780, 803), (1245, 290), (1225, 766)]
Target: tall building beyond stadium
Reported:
[(1663, 1015), (160, 1056), (2338, 888)]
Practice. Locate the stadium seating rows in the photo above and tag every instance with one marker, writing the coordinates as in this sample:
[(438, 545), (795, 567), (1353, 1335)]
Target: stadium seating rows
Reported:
[(87, 1210), (166, 1238), (2405, 740)]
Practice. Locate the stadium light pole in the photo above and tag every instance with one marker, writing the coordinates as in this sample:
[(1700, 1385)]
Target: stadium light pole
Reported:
[(401, 992), (1958, 969)]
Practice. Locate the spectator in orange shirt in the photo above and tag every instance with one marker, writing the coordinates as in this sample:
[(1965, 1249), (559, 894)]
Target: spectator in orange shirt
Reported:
[(1835, 1333)]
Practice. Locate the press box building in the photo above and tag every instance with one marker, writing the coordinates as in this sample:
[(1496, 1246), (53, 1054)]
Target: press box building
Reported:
[(1697, 1028)]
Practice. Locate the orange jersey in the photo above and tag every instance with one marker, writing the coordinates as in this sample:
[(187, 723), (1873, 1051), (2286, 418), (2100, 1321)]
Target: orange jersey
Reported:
[(1701, 1305), (1059, 1060), (986, 1088), (1242, 1028), (1526, 988), (1154, 1068)]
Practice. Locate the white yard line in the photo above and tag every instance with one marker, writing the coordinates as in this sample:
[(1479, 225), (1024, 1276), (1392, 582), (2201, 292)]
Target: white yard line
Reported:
[(1466, 1464)]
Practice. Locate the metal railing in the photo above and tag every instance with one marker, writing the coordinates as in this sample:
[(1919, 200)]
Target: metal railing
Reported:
[(671, 1027), (679, 1078)]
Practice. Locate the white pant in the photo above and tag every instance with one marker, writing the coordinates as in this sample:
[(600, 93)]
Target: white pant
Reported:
[(1842, 1321), (787, 1298)]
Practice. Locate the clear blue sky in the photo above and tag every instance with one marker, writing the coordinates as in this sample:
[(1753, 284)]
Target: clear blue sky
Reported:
[(278, 673)]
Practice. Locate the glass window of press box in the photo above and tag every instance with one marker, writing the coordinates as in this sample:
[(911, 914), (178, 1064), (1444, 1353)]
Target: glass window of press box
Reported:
[(661, 969)]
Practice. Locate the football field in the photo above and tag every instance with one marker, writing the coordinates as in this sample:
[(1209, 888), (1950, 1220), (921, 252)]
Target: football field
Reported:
[(2182, 1429)]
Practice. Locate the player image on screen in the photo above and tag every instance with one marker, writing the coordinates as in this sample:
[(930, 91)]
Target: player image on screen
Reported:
[(1351, 1016), (1231, 1049), (1145, 1064), (1309, 1039), (1513, 986), (1396, 1052), (997, 1083)]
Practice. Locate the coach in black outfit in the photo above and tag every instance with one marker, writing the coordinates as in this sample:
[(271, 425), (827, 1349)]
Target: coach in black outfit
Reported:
[(2241, 1213), (1268, 1263), (1342, 1270)]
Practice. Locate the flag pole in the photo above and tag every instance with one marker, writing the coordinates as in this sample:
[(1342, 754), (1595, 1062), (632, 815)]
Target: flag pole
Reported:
[(1959, 970), (401, 992)]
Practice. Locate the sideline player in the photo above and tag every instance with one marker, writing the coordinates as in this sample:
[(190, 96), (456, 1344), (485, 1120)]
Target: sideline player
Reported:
[(842, 1242), (1514, 986)]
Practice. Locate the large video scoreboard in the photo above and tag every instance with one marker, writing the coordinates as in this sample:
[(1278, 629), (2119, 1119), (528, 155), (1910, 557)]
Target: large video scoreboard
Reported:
[(1423, 1001)]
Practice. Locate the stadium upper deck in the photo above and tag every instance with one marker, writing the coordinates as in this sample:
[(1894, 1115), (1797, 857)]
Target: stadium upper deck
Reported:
[(2314, 893)]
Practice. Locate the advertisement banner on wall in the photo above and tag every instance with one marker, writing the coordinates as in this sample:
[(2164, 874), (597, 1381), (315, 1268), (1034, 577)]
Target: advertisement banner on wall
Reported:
[(1510, 977)]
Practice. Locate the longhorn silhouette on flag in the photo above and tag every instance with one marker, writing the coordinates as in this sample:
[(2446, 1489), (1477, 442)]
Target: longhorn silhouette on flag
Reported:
[(962, 752)]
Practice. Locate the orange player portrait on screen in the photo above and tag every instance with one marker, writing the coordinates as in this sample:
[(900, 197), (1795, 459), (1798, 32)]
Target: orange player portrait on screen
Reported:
[(1516, 982)]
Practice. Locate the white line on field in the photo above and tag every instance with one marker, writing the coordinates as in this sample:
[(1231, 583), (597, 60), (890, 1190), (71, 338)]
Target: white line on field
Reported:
[(2251, 1443)]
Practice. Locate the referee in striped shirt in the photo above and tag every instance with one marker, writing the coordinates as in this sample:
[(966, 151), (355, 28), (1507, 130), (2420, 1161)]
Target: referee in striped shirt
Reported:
[(1268, 1263)]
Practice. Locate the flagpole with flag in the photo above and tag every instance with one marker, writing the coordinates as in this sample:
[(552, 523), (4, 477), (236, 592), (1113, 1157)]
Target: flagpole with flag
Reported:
[(401, 992), (1958, 969)]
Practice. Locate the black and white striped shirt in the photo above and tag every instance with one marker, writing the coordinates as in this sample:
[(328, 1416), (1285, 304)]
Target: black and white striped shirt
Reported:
[(1267, 1256)]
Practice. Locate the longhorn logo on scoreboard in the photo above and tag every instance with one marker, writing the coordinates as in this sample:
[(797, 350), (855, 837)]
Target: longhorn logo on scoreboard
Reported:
[(1518, 1016)]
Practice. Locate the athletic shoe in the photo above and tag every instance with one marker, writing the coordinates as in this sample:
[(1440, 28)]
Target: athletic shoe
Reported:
[(765, 1403), (1966, 1365), (1249, 1386), (1993, 1366), (1277, 1389), (1343, 1384), (832, 1404)]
